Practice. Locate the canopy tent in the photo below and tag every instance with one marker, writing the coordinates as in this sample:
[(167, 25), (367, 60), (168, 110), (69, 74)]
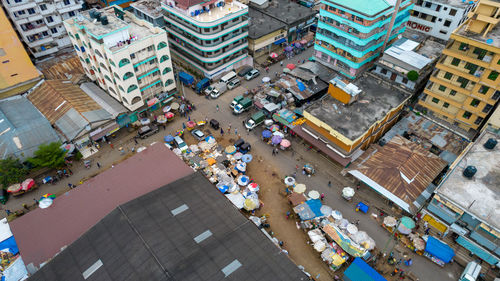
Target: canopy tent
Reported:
[(439, 249), (359, 270), (309, 210)]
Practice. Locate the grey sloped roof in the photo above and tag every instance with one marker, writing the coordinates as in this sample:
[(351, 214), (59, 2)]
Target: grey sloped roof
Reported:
[(71, 123), (102, 98), (97, 115), (22, 128), (186, 230)]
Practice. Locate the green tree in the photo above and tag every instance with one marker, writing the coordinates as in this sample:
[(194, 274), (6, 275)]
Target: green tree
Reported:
[(49, 155), (11, 171), (412, 75)]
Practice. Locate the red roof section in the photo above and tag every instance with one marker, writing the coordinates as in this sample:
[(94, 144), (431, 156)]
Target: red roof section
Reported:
[(42, 233)]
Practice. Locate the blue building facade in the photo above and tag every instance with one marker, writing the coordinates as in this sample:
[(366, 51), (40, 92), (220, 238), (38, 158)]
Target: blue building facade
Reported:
[(351, 34)]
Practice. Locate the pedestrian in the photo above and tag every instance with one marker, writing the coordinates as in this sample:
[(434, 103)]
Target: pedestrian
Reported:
[(267, 69), (396, 270), (329, 183), (111, 145), (70, 185), (98, 165), (135, 140), (229, 129), (91, 150), (235, 131), (426, 224), (25, 206), (8, 212), (217, 107), (221, 132), (322, 196), (399, 261), (427, 231), (281, 243), (287, 214), (36, 202), (356, 223), (189, 118), (409, 262), (281, 63)]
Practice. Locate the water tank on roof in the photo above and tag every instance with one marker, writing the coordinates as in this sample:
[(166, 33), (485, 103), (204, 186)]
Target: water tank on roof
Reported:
[(104, 20), (469, 172), (490, 144), (97, 15), (92, 14)]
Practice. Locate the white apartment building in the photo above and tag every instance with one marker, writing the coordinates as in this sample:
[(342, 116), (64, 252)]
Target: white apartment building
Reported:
[(210, 36), (39, 22), (128, 57), (438, 18)]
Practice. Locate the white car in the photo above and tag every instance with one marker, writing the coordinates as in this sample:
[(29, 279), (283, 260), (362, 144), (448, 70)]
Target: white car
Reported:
[(233, 84), (199, 135), (252, 74)]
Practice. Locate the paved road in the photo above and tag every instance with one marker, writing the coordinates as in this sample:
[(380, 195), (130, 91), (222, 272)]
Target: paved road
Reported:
[(285, 163)]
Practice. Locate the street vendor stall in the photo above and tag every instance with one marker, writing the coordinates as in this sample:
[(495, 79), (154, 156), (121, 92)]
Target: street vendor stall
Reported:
[(296, 199), (344, 241), (438, 251), (309, 210), (359, 270)]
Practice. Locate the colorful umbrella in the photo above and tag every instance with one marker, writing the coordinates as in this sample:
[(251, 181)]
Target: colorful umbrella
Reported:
[(168, 138), (300, 188), (289, 181), (250, 204), (48, 195), (230, 149), (14, 188), (191, 124), (288, 48), (273, 55), (28, 184), (408, 222), (285, 143), (169, 115), (242, 167), (247, 158), (276, 140), (266, 134), (298, 45), (286, 70), (179, 133), (403, 229), (313, 194), (290, 66), (253, 187), (166, 109), (274, 128), (243, 180), (238, 155), (161, 119)]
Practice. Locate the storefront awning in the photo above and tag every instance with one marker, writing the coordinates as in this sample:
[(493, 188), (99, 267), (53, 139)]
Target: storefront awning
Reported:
[(282, 40), (104, 131)]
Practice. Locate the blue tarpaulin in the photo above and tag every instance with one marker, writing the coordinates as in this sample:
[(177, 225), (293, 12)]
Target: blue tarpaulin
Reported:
[(315, 205), (301, 85), (10, 244), (359, 270), (439, 249), (282, 40)]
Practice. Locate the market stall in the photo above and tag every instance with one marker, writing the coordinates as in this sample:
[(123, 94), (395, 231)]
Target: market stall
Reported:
[(438, 251), (359, 270)]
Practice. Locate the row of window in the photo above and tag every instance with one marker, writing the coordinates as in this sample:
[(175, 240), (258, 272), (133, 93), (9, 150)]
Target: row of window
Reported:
[(467, 115), (493, 75), (437, 7), (430, 18)]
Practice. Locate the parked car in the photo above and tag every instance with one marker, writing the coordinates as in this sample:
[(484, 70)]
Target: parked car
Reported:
[(244, 70), (146, 131), (199, 135), (233, 84), (252, 74), (179, 142)]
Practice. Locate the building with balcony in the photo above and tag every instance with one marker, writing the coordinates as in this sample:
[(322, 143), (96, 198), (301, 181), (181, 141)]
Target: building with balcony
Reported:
[(438, 18), (17, 72), (128, 57), (39, 22), (465, 206), (352, 34), (408, 63), (464, 88), (208, 37)]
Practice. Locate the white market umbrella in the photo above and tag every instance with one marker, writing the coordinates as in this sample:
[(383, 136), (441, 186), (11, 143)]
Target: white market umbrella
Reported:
[(253, 187), (348, 192), (326, 210), (300, 188), (45, 203), (242, 167), (289, 181), (266, 79), (319, 246), (351, 228), (313, 194), (237, 199), (243, 180), (337, 215), (142, 148), (343, 223), (278, 133), (390, 221)]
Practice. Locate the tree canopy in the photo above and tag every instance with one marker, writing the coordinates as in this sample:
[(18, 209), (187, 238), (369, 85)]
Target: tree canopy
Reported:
[(412, 75), (49, 155), (11, 171)]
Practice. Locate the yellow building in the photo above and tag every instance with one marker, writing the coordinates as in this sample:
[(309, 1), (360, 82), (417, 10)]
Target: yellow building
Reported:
[(17, 72), (351, 116), (464, 88), (265, 34)]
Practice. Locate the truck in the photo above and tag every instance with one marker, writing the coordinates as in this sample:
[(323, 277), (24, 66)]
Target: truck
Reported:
[(202, 84), (255, 120), (186, 78), (218, 89), (471, 272), (235, 101), (243, 106), (271, 108)]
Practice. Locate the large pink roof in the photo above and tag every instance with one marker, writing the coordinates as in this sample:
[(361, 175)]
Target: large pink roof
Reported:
[(42, 233)]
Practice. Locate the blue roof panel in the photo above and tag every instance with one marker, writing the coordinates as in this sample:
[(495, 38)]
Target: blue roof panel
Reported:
[(359, 270), (439, 249)]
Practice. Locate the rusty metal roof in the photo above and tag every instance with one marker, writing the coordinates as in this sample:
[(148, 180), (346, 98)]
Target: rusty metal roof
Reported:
[(400, 169), (64, 67)]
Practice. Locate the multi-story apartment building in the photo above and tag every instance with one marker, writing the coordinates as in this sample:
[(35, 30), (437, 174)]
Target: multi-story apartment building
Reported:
[(209, 36), (438, 18), (17, 72), (128, 57), (464, 88), (39, 22), (465, 206), (351, 34)]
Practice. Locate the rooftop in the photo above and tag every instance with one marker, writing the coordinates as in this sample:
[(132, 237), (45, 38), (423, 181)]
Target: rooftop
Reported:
[(375, 101), (492, 38), (63, 223), (150, 7), (288, 12), (63, 66), (400, 170), (22, 128), (375, 6), (103, 99), (480, 195), (202, 11), (455, 3), (262, 24)]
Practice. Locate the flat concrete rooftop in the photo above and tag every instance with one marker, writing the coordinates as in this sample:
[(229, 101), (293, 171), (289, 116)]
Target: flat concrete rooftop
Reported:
[(151, 8), (480, 195), (375, 101), (454, 3), (262, 24), (97, 28), (287, 11)]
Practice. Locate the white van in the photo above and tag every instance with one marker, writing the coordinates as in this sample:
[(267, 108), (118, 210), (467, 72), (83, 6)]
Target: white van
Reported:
[(180, 143), (471, 272), (228, 77)]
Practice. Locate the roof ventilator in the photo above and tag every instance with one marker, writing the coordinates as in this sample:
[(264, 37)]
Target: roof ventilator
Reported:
[(469, 172), (490, 144)]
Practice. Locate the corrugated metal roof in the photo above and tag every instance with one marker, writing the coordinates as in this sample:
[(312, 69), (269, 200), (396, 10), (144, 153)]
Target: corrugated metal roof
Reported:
[(71, 124), (102, 98), (410, 57), (22, 128), (402, 167)]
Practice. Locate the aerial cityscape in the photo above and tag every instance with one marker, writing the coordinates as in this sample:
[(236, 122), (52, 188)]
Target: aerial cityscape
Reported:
[(352, 140)]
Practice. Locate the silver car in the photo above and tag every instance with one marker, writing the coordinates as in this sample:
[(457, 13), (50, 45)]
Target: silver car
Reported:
[(233, 84), (252, 74)]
